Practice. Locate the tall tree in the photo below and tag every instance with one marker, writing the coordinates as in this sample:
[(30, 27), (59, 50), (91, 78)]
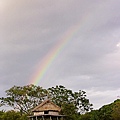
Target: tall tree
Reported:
[(61, 96), (27, 97), (24, 98)]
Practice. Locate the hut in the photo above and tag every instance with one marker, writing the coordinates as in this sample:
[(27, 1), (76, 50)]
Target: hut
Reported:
[(47, 110)]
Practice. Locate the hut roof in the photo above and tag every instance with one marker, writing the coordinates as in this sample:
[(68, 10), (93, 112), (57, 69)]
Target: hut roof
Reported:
[(47, 105)]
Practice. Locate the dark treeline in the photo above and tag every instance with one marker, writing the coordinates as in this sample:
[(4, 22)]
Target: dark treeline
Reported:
[(106, 112), (75, 105)]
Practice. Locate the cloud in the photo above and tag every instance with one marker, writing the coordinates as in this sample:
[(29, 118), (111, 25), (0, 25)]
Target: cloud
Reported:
[(90, 59), (101, 98)]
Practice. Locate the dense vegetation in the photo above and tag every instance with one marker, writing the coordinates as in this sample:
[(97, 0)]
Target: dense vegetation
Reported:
[(12, 115), (25, 98), (74, 104), (106, 112)]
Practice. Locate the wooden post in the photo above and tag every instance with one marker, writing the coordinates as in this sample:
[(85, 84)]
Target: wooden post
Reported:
[(36, 118), (43, 117)]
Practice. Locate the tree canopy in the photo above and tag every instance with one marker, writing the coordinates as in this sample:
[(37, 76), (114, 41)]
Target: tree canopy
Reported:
[(73, 104), (12, 115), (23, 98), (106, 112), (27, 97)]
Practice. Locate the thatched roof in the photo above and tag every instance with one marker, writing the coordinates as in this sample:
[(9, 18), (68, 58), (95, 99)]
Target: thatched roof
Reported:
[(45, 106)]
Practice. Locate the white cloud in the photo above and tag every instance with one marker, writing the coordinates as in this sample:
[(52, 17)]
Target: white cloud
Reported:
[(101, 98), (118, 45)]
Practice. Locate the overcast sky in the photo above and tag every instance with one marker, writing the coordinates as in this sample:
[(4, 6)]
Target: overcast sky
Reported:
[(90, 60)]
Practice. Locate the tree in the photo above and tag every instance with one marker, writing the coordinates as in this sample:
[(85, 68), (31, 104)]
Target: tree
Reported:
[(24, 98), (70, 111), (110, 111), (12, 115), (92, 115), (1, 114), (105, 112), (85, 116), (116, 110), (27, 97), (62, 96)]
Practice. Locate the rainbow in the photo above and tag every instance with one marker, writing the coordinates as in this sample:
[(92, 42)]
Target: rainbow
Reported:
[(54, 52)]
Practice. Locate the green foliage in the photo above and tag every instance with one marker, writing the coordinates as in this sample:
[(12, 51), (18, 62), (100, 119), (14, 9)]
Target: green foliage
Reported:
[(94, 115), (116, 110), (70, 111), (1, 114), (110, 111), (74, 105), (85, 116), (62, 96), (12, 115), (24, 98), (27, 97), (106, 112)]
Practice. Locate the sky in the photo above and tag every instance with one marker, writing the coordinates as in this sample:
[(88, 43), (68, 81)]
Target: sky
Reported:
[(74, 43)]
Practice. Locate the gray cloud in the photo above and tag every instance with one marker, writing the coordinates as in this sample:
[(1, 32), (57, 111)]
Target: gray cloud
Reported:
[(89, 61)]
